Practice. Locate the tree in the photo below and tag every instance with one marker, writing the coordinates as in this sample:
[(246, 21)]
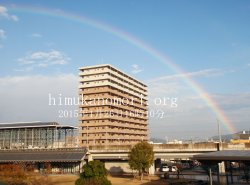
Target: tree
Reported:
[(94, 173), (141, 157), (16, 174), (179, 169)]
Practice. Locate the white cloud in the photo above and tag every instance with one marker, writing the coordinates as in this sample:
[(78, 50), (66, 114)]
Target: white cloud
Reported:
[(201, 73), (2, 34), (192, 118), (4, 13), (36, 35), (173, 85), (164, 88), (136, 69), (42, 59), (248, 65), (233, 101), (32, 92)]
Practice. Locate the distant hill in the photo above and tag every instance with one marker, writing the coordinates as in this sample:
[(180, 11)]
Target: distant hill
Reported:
[(225, 138), (157, 140)]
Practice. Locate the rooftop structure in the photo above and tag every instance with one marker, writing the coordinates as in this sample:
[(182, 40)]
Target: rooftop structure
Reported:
[(241, 137), (235, 165), (56, 155), (225, 155), (24, 135), (65, 160)]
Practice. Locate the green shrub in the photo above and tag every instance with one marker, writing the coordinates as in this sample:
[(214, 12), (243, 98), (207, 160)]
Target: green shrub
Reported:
[(94, 173), (93, 181), (94, 169)]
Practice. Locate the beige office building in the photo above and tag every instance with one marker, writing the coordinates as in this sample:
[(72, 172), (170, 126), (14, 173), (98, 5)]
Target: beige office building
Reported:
[(113, 107)]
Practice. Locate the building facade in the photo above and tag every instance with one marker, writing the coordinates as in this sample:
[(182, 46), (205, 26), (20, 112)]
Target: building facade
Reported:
[(35, 135), (113, 107), (241, 137)]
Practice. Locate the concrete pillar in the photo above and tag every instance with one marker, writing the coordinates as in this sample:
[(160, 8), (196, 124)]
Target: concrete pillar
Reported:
[(221, 171), (151, 169), (81, 165), (221, 167), (90, 157)]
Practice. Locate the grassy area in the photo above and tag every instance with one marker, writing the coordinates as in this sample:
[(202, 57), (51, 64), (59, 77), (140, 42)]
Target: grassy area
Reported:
[(130, 180), (118, 180), (63, 179), (122, 180)]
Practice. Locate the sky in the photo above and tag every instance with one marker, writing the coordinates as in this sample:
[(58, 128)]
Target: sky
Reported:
[(172, 46)]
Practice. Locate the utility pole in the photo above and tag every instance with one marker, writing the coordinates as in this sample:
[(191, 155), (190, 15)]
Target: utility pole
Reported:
[(210, 176), (221, 166), (219, 134)]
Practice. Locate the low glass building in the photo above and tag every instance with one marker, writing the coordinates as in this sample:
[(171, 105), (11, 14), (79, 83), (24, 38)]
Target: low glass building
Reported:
[(35, 135)]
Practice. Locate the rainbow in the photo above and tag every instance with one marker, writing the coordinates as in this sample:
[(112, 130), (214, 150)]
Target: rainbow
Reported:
[(45, 11)]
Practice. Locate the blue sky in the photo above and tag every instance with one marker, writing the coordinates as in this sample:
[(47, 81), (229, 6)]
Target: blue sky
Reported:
[(210, 40)]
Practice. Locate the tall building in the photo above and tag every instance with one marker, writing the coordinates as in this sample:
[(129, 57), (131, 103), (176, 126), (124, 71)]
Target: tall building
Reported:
[(113, 107)]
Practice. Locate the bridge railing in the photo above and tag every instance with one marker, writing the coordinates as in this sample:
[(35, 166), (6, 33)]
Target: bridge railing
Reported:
[(176, 147)]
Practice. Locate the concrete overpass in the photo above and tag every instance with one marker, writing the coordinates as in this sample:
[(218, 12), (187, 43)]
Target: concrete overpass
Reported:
[(116, 157), (166, 151)]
